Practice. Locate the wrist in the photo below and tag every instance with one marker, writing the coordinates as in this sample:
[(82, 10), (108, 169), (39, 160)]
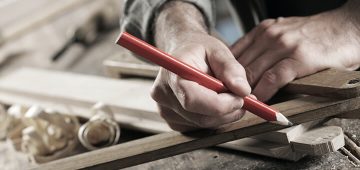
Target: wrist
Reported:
[(176, 23)]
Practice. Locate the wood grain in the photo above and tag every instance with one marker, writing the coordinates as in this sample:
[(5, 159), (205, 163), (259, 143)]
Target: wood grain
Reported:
[(173, 143), (328, 83), (265, 148), (319, 141), (284, 136)]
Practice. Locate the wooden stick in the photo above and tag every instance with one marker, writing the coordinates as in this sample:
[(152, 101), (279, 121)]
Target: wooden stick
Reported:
[(173, 143)]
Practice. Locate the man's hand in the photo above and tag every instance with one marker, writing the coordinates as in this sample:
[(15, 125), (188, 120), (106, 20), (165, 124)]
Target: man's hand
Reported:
[(185, 104), (278, 51)]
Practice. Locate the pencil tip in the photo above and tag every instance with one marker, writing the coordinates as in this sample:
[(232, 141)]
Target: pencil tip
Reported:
[(281, 119)]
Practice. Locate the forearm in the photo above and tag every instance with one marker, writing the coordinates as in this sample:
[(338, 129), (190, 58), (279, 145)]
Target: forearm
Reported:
[(175, 21)]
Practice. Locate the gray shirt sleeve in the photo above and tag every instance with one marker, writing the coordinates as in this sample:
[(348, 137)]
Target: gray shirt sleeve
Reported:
[(138, 16)]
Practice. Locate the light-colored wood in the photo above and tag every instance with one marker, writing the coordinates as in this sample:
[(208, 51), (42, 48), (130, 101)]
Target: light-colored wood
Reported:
[(37, 17), (284, 136), (173, 143), (125, 64), (265, 148), (76, 94), (319, 141)]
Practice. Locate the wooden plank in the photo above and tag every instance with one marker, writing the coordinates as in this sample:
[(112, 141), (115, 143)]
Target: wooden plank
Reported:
[(126, 64), (328, 83), (173, 143), (319, 141)]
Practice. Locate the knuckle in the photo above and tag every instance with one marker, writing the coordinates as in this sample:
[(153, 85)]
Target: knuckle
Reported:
[(223, 52), (266, 23), (188, 102), (283, 73), (299, 50), (155, 93), (284, 40), (272, 32), (270, 77)]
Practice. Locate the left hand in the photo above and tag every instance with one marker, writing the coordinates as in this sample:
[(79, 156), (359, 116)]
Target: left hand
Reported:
[(278, 51)]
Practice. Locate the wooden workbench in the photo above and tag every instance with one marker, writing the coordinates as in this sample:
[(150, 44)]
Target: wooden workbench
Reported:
[(212, 158)]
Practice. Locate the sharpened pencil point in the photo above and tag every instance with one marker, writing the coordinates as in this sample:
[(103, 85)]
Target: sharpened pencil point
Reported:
[(282, 120)]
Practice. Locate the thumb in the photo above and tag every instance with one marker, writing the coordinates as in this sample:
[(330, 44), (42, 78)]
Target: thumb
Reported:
[(225, 67)]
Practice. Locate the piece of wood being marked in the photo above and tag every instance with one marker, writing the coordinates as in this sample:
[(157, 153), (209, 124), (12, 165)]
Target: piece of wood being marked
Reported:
[(265, 148), (284, 136), (319, 141)]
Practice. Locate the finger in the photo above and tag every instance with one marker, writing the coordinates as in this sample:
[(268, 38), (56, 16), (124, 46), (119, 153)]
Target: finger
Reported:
[(181, 128), (261, 43), (204, 121), (179, 115), (244, 42), (275, 78), (172, 117), (199, 120), (257, 68), (229, 71)]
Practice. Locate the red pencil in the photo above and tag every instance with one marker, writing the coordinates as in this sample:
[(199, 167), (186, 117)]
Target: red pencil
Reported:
[(188, 72)]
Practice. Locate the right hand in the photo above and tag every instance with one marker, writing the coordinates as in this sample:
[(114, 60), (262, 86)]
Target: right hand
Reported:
[(186, 105)]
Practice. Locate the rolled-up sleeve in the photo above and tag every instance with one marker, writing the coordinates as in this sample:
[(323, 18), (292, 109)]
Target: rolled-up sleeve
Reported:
[(138, 16)]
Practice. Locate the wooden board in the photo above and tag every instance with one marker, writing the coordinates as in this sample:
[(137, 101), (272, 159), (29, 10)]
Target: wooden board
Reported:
[(329, 83), (319, 141), (125, 64), (173, 143)]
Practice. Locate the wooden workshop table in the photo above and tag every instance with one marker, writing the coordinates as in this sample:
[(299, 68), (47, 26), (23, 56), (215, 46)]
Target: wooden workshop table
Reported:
[(211, 158)]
